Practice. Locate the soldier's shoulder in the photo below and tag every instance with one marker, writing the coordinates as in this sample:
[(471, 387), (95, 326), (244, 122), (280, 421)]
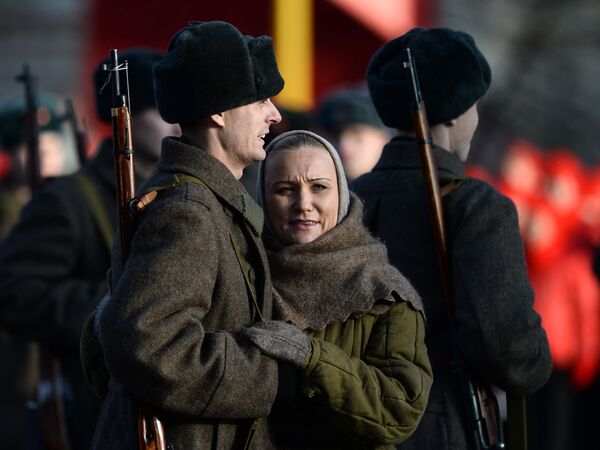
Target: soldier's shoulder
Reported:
[(177, 191), (475, 195)]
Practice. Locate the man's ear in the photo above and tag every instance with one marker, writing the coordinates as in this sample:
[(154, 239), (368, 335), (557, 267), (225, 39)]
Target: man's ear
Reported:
[(218, 118)]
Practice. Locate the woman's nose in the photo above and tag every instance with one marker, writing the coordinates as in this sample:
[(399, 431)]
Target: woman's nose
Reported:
[(304, 201)]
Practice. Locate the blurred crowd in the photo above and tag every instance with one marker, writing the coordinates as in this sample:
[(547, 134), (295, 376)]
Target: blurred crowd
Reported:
[(558, 202)]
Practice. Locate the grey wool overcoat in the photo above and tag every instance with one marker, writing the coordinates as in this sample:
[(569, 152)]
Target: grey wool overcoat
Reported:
[(169, 329), (498, 332)]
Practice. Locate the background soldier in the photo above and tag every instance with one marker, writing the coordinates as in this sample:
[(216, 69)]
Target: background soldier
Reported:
[(498, 333), (53, 265), (347, 117)]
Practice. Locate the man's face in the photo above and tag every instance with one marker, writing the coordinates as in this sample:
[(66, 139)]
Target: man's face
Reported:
[(360, 148), (243, 136), (463, 131), (148, 131), (51, 153)]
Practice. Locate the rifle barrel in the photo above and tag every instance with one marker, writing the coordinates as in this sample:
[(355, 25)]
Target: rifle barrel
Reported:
[(31, 126)]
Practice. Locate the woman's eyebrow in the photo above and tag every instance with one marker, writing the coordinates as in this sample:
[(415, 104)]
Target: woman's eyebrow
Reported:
[(310, 179)]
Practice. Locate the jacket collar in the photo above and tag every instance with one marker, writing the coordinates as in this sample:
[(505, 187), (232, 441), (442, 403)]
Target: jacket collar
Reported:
[(401, 153), (181, 157)]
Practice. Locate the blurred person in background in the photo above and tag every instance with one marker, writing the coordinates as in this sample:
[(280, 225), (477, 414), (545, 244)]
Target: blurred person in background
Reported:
[(347, 117), (14, 188), (19, 358), (563, 227), (498, 333), (53, 264)]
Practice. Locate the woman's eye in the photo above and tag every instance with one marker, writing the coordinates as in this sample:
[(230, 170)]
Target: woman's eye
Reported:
[(283, 191), (319, 187)]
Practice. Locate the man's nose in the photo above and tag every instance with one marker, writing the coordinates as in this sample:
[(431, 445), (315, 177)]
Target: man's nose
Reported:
[(275, 115)]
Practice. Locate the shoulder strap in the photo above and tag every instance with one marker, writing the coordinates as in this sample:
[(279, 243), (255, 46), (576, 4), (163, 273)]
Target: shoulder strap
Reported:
[(98, 209), (139, 204), (449, 184)]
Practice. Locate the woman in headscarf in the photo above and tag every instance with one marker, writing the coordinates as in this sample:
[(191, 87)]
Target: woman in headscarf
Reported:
[(350, 322)]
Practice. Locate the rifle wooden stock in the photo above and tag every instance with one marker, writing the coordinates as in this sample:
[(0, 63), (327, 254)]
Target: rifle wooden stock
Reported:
[(124, 175), (31, 127), (50, 403), (150, 430), (482, 405)]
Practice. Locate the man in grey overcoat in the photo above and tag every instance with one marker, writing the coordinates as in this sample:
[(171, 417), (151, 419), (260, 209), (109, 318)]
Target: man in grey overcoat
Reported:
[(197, 273), (498, 333)]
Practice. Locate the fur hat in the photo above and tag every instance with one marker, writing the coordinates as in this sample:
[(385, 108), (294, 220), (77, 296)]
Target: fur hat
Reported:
[(342, 183), (141, 87), (211, 67), (453, 75), (347, 106)]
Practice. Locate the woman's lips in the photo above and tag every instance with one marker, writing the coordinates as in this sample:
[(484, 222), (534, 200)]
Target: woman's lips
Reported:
[(303, 225)]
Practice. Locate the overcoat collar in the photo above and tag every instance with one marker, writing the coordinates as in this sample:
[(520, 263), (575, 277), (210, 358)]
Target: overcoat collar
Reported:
[(180, 157), (401, 153)]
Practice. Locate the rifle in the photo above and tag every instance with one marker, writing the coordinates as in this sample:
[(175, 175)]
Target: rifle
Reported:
[(149, 428), (50, 387), (78, 133), (31, 126), (482, 406)]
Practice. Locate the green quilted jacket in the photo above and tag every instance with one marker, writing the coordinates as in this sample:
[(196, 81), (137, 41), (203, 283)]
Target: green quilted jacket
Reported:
[(366, 384)]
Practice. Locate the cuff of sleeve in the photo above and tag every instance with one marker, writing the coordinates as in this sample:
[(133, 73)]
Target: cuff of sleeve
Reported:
[(313, 356)]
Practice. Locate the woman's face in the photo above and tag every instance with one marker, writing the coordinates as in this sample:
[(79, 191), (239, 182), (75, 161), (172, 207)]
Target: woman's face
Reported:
[(301, 194)]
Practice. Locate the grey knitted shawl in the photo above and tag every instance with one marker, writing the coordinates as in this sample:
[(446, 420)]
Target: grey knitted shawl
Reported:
[(342, 274)]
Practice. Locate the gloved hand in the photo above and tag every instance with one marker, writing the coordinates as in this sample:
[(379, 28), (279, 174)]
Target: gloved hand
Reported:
[(280, 340)]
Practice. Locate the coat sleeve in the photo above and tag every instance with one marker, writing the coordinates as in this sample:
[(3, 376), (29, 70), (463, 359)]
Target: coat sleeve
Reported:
[(499, 333), (381, 396), (152, 329), (42, 297)]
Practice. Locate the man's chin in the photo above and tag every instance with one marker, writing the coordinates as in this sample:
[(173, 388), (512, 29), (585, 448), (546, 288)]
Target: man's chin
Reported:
[(261, 155)]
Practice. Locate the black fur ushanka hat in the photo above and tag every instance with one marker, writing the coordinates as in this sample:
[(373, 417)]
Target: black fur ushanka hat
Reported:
[(211, 67), (141, 86), (453, 75)]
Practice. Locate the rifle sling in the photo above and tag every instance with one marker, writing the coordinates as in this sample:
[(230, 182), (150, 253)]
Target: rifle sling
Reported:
[(98, 209)]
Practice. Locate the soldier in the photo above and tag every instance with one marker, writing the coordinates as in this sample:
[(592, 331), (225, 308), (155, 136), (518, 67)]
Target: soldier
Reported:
[(348, 118), (14, 188), (197, 274), (53, 265), (19, 358), (498, 332)]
